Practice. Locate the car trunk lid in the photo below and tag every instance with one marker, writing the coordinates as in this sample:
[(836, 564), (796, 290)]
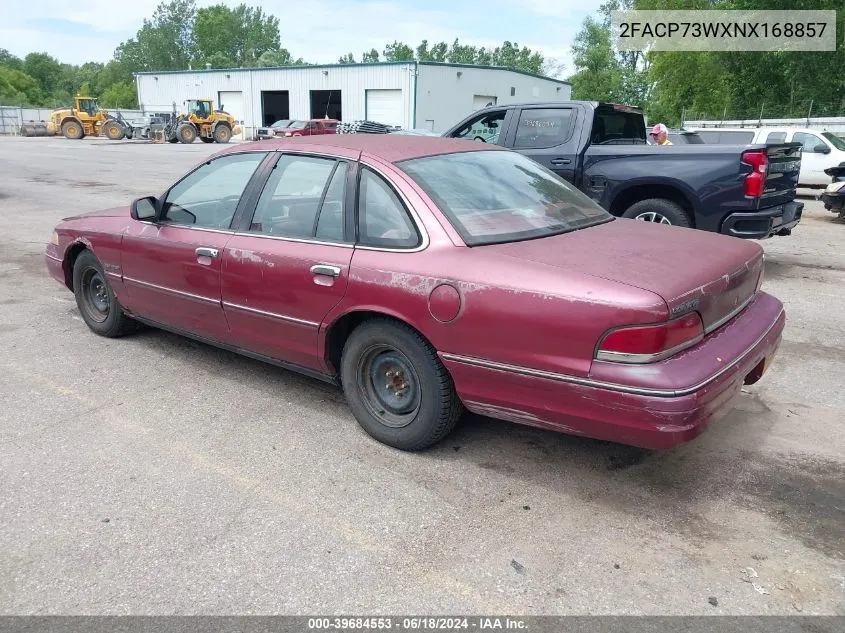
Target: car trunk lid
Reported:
[(691, 270)]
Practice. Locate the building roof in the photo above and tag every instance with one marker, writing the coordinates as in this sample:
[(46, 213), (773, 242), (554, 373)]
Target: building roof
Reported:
[(357, 65), (389, 147)]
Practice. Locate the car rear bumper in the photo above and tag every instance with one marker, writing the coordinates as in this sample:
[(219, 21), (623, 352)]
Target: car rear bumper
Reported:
[(764, 223), (834, 201), (649, 417)]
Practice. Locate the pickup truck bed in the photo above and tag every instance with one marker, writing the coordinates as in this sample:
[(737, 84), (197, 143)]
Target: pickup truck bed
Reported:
[(745, 191)]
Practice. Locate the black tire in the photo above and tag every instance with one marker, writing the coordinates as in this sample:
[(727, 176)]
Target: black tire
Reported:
[(173, 140), (205, 139), (114, 131), (73, 130), (95, 299), (433, 406), (659, 210), (222, 133), (186, 133)]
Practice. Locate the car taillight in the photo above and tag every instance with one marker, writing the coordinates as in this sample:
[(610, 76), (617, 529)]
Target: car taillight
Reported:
[(650, 343), (755, 182)]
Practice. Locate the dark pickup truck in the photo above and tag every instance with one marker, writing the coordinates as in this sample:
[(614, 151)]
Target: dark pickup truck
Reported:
[(746, 191)]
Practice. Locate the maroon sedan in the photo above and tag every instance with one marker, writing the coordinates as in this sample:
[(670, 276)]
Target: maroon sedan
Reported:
[(426, 275)]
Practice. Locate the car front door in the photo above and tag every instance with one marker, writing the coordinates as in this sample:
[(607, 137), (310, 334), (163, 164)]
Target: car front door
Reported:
[(171, 264), (813, 163), (546, 136), (288, 264)]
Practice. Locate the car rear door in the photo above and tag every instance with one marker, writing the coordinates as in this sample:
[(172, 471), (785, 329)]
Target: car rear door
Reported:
[(171, 265), (547, 136), (288, 263)]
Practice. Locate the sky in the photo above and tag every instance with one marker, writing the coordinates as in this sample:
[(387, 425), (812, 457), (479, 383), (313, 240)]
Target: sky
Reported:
[(319, 31)]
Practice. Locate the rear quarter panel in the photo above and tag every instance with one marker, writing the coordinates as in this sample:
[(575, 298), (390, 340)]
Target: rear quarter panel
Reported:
[(532, 316)]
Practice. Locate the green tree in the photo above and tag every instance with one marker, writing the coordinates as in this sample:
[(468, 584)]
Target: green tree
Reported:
[(46, 70), (349, 58), (10, 61), (18, 88), (280, 57), (241, 35), (370, 56), (164, 42), (598, 74), (120, 95), (398, 52)]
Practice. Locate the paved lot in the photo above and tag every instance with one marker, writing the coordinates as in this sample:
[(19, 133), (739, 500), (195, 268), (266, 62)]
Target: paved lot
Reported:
[(156, 475)]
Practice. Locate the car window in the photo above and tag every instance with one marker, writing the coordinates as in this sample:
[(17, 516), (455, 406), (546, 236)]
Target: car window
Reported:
[(290, 203), (486, 128), (539, 128), (497, 196), (382, 218), (209, 196), (618, 125), (808, 141), (776, 137), (836, 141)]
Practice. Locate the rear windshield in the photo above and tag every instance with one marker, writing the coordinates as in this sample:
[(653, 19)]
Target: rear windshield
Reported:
[(618, 127), (501, 196), (837, 142)]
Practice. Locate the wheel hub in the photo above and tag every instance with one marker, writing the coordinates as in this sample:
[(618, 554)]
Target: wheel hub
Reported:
[(97, 301), (653, 216), (390, 386)]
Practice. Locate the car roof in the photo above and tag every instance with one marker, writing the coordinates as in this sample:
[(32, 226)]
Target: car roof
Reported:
[(389, 147)]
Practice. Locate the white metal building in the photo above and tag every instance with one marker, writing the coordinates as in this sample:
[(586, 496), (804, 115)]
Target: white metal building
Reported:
[(409, 94)]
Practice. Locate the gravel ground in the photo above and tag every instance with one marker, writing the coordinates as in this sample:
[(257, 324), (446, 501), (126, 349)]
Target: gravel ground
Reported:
[(154, 475)]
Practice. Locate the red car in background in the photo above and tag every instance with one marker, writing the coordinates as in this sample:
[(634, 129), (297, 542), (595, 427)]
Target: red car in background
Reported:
[(312, 127), (425, 275)]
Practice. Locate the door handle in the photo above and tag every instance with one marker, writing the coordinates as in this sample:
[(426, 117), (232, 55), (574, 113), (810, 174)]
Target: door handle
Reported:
[(326, 269), (205, 251), (560, 161)]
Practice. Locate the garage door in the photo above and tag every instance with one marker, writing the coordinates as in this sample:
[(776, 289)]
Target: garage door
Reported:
[(233, 103), (385, 106), (482, 101)]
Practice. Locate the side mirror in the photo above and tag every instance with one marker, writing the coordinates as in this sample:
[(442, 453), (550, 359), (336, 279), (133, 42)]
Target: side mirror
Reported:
[(144, 208), (821, 148)]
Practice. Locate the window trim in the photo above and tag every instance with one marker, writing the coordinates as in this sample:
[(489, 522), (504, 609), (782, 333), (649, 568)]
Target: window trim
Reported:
[(402, 202), (249, 214), (243, 203), (563, 141), (416, 221)]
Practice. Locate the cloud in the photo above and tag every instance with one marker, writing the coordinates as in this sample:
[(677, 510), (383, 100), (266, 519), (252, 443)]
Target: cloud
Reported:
[(318, 30)]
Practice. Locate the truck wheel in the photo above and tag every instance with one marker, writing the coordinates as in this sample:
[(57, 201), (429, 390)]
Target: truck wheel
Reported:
[(72, 130), (222, 134), (186, 133), (658, 210), (114, 131), (396, 386)]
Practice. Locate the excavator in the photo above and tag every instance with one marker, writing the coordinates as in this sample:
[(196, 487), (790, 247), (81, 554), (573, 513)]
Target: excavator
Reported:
[(201, 121), (86, 118)]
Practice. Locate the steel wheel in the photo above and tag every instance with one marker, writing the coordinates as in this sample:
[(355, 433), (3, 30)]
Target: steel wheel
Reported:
[(95, 293), (389, 386), (652, 216)]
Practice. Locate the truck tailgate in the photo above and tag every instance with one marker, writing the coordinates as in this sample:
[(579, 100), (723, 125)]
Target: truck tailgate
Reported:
[(781, 174)]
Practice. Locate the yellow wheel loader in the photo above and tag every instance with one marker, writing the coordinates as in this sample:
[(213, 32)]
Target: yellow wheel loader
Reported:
[(201, 121), (86, 118)]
